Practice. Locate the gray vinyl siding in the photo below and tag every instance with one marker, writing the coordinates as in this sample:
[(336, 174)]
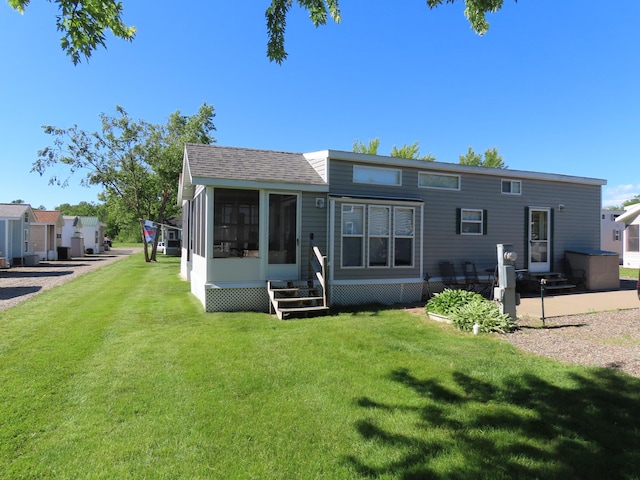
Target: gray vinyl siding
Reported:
[(577, 226), (314, 221), (17, 239)]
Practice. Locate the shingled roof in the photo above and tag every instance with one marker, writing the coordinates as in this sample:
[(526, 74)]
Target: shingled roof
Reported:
[(243, 164), (48, 216), (14, 210)]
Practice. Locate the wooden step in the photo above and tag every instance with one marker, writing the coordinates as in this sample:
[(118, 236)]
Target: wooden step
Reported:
[(564, 286), (294, 296), (297, 299), (283, 312)]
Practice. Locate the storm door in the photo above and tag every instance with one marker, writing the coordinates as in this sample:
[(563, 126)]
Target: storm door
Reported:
[(539, 240), (284, 237)]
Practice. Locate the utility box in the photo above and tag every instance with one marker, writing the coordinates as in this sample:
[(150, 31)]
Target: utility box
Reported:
[(64, 253), (601, 268), (77, 247), (505, 292)]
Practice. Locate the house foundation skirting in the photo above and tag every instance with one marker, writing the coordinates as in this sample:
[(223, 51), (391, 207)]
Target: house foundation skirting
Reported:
[(381, 293), (256, 299), (236, 299)]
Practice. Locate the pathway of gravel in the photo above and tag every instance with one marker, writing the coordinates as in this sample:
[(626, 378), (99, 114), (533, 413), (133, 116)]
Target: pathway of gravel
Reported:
[(18, 284), (605, 339)]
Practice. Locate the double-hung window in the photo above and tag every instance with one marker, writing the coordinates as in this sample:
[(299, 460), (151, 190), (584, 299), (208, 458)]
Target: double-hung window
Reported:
[(471, 221), (383, 235), (511, 187), (633, 238), (352, 235), (379, 235), (403, 235)]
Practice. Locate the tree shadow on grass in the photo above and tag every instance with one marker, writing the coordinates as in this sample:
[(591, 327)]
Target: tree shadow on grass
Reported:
[(524, 427)]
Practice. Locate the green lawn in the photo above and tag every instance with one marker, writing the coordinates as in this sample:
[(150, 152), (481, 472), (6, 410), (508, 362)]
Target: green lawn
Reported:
[(628, 273), (120, 374)]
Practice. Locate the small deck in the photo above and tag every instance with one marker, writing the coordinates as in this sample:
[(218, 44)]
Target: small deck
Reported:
[(552, 282)]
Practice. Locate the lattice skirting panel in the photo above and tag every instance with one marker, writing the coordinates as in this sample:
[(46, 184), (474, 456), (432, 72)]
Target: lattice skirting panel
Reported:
[(386, 293), (431, 288), (254, 299)]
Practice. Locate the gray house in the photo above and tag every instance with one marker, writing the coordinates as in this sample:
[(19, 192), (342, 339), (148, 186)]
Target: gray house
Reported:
[(15, 228), (380, 225)]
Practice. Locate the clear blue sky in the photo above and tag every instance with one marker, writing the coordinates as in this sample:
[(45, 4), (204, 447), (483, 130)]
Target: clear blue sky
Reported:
[(554, 85)]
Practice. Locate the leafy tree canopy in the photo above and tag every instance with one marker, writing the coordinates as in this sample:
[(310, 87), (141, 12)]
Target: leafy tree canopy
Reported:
[(632, 201), (370, 148), (405, 151), (410, 151), (137, 163), (491, 159), (83, 23), (82, 209), (319, 10)]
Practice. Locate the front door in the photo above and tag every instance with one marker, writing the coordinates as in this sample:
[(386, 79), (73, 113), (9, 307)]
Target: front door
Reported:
[(539, 240), (284, 237)]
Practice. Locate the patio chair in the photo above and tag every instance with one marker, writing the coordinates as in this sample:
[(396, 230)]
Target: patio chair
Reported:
[(449, 275), (471, 279)]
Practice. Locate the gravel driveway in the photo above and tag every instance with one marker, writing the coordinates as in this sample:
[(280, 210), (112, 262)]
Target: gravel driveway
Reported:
[(19, 284), (606, 339)]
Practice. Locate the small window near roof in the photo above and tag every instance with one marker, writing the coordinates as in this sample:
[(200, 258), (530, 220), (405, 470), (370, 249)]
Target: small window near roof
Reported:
[(471, 221), (511, 187), (377, 176), (438, 180)]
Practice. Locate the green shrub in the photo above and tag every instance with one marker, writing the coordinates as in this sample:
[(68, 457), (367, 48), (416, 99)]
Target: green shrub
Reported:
[(468, 308), (484, 313), (448, 301)]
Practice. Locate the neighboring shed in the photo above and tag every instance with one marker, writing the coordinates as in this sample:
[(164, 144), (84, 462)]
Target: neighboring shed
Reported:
[(93, 234), (631, 238), (46, 233), (72, 236), (383, 223), (15, 229), (611, 232)]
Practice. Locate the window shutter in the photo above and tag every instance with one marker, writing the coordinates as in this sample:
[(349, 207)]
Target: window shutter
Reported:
[(484, 222), (551, 236), (458, 220), (527, 226)]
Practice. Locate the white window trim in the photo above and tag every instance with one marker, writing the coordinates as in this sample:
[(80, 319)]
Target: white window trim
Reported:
[(511, 182), (480, 222), (421, 174), (397, 172)]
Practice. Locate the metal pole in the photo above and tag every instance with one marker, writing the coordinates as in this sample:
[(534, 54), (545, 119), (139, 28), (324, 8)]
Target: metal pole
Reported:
[(543, 282)]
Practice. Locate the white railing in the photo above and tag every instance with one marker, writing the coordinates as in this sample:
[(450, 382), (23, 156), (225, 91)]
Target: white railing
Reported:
[(318, 269)]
